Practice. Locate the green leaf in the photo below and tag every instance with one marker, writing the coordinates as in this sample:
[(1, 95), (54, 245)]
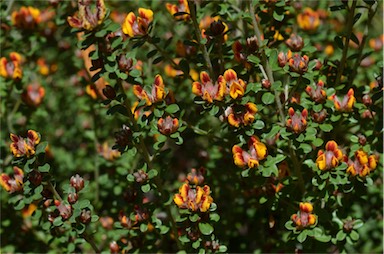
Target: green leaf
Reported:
[(145, 188), (184, 239), (173, 108), (253, 59), (326, 127), (223, 248), (318, 142), (45, 168), (268, 98), (354, 235), (277, 16), (259, 124), (196, 244), (57, 221), (152, 173), (194, 217), (205, 228), (143, 227), (41, 147), (306, 148), (358, 224), (323, 238), (302, 236), (214, 217), (117, 108), (341, 235), (130, 178)]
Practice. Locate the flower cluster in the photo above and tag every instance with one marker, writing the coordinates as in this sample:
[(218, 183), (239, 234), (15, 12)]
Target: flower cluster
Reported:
[(362, 165), (226, 84), (304, 218), (346, 104), (194, 199), (241, 115), (296, 62), (181, 8), (295, 42), (308, 20), (297, 122), (137, 26), (329, 158), (15, 183), (86, 18), (26, 18), (11, 68), (168, 125), (24, 146), (257, 152), (33, 95), (213, 27), (241, 52), (157, 92), (318, 94)]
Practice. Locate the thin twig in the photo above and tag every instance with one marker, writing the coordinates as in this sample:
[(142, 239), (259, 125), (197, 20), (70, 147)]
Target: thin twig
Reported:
[(343, 60)]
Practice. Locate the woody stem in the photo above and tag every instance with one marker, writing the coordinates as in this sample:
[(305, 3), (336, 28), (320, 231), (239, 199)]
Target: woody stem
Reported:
[(203, 48)]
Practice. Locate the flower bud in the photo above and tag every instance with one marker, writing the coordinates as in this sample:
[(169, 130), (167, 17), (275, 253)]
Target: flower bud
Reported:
[(72, 198), (77, 182), (295, 42), (35, 177), (282, 59), (216, 28), (85, 216), (125, 64), (266, 83), (367, 100), (114, 247), (362, 139), (140, 176)]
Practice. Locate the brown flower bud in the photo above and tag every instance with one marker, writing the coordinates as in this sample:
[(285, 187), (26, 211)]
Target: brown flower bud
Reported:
[(72, 198), (252, 44), (367, 100), (85, 216), (109, 92), (77, 182), (266, 83), (114, 247), (282, 59), (140, 176), (319, 117), (362, 139), (35, 177), (123, 137), (295, 42), (125, 64), (216, 28), (348, 225), (318, 64)]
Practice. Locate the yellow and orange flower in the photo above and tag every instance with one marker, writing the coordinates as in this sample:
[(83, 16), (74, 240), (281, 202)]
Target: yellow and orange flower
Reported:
[(34, 94), (329, 158), (345, 105), (181, 7), (86, 18), (11, 68), (235, 87), (107, 152), (257, 152), (209, 91), (298, 63), (238, 115), (137, 26), (157, 92), (318, 94), (44, 68), (194, 199), (26, 18), (168, 125), (309, 20), (297, 122), (24, 146), (15, 183), (304, 218), (362, 165)]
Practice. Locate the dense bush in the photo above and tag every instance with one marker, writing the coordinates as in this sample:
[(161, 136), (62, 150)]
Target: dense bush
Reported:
[(191, 126)]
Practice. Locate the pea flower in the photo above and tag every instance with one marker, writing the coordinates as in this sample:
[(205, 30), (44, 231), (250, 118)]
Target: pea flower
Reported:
[(26, 18), (108, 153), (238, 115), (241, 52), (168, 125), (297, 122), (11, 68), (309, 20), (304, 218), (295, 42), (86, 18), (181, 7), (207, 90), (194, 199), (318, 94), (196, 177), (15, 183), (24, 146), (236, 87), (346, 105), (213, 27), (64, 210), (329, 158), (257, 152), (362, 165), (33, 95), (298, 63), (157, 93), (137, 26)]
